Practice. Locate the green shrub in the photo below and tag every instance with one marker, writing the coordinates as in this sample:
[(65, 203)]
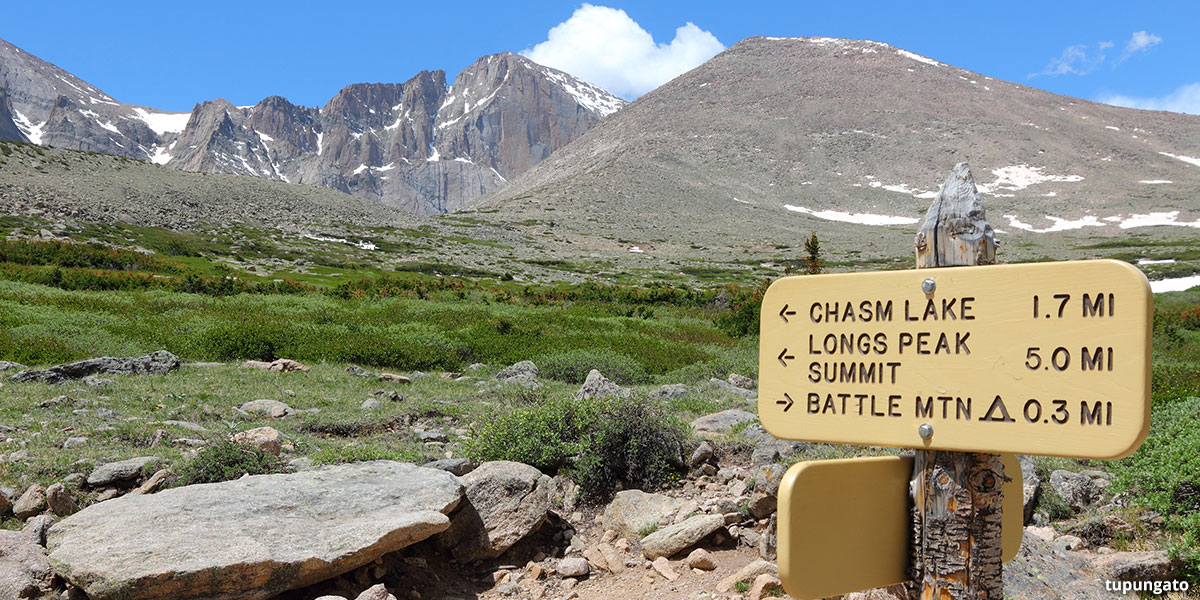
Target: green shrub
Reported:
[(1164, 475), (602, 444), (572, 366), (225, 460)]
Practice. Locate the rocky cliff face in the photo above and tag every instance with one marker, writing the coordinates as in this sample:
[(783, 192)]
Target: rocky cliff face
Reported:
[(8, 127), (420, 145)]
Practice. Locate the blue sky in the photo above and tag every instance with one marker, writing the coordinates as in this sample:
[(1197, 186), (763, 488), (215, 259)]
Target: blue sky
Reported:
[(170, 55)]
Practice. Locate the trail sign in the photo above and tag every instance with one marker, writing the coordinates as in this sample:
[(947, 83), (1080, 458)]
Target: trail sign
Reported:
[(844, 524), (1043, 358)]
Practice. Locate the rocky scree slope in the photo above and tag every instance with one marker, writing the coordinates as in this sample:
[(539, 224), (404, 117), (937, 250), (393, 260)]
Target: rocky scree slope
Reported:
[(775, 137), (421, 145)]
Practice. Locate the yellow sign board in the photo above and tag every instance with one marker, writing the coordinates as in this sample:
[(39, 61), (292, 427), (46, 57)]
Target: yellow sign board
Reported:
[(1045, 358), (844, 525)]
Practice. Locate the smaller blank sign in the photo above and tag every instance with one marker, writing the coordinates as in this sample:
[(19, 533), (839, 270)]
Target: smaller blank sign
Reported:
[(844, 525)]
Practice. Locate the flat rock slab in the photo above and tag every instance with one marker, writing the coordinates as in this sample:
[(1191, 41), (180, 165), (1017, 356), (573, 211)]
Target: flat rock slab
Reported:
[(155, 363), (24, 572), (634, 511), (680, 536), (252, 538), (721, 423)]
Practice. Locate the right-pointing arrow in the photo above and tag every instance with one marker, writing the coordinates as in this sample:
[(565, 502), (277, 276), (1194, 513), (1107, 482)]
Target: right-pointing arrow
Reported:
[(789, 402), (784, 357)]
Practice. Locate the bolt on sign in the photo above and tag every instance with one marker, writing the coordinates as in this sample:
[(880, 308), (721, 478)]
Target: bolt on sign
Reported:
[(826, 550), (1044, 358)]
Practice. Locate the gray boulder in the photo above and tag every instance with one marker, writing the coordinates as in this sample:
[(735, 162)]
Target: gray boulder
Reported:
[(24, 571), (525, 368), (60, 501), (120, 471), (771, 451), (1077, 489), (37, 527), (721, 384), (634, 511), (1135, 566), (599, 386), (721, 423), (251, 538), (505, 501), (10, 366), (1043, 570), (670, 391), (155, 363), (766, 478), (457, 466), (574, 566), (32, 502), (5, 504), (680, 536), (271, 408)]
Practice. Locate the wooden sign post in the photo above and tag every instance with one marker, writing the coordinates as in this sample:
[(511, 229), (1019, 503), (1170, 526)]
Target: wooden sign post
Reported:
[(957, 496)]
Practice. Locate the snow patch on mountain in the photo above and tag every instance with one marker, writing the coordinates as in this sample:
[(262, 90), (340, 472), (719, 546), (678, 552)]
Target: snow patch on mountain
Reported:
[(31, 131), (1019, 177), (587, 95), (1186, 159), (163, 122), (858, 218)]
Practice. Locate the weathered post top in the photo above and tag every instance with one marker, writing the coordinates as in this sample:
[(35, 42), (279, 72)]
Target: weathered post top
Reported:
[(955, 231)]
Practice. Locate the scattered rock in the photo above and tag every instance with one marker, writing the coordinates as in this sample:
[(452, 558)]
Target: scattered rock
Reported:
[(24, 571), (764, 585), (766, 478), (573, 566), (721, 384), (74, 442), (670, 391), (94, 381), (393, 378), (375, 592), (37, 527), (663, 567), (5, 504), (599, 386), (721, 423), (358, 371), (10, 366), (155, 363), (596, 558), (272, 408), (60, 501), (1070, 542), (612, 557), (762, 505), (771, 451), (267, 439), (769, 540), (456, 466), (525, 368), (1077, 489), (119, 472), (263, 534), (680, 536), (701, 559), (701, 454), (741, 381), (390, 395), (371, 404), (505, 501), (432, 436), (153, 483), (32, 502), (746, 574), (633, 512)]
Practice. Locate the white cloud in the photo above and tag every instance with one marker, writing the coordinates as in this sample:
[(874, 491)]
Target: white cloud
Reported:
[(1141, 41), (608, 48), (1076, 60), (1186, 99)]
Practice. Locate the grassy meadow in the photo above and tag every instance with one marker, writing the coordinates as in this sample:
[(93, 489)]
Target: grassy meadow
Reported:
[(239, 294)]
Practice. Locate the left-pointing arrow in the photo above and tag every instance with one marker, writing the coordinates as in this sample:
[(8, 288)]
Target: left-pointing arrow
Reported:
[(784, 357), (784, 313), (789, 402)]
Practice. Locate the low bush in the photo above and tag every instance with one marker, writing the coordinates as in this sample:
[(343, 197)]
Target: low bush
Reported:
[(225, 460), (1164, 475), (572, 366), (603, 444)]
